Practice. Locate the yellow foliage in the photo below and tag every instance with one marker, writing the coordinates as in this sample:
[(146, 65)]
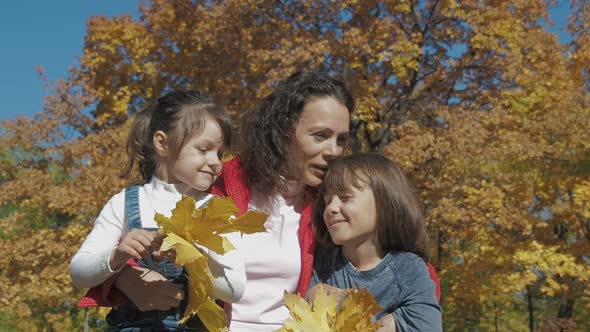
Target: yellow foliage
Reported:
[(325, 314), (582, 198), (485, 109), (189, 226)]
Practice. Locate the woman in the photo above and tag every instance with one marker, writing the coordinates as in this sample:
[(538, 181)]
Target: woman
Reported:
[(286, 146)]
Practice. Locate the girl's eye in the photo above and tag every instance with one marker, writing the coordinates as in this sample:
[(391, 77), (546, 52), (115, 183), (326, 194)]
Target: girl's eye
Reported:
[(344, 198), (319, 136), (203, 149)]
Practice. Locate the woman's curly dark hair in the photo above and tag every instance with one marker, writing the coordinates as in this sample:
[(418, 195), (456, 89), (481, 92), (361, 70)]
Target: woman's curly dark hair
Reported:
[(267, 133)]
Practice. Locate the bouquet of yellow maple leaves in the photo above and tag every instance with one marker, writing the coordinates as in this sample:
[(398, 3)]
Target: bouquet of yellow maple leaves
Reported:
[(329, 311), (188, 226)]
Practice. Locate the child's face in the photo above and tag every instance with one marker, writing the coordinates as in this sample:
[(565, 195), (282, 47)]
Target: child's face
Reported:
[(351, 217), (199, 161)]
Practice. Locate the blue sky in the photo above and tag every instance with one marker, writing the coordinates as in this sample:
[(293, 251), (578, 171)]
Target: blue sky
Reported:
[(50, 33)]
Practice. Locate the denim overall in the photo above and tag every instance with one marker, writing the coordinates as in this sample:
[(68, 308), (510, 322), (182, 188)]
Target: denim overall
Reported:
[(127, 317)]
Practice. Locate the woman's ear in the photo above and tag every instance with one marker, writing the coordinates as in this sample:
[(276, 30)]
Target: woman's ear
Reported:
[(160, 143)]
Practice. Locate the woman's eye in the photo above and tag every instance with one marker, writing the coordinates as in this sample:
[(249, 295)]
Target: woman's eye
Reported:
[(203, 149), (342, 141)]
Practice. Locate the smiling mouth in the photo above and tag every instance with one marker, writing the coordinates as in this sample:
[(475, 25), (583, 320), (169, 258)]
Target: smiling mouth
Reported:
[(334, 222), (319, 169), (210, 173)]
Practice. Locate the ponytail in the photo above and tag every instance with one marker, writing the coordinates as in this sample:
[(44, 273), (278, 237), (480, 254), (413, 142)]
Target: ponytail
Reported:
[(140, 147)]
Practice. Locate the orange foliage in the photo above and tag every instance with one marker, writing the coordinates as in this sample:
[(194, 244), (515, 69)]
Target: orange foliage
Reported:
[(481, 105)]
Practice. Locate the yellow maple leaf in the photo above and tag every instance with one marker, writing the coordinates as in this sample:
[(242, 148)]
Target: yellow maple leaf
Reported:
[(354, 313), (185, 251), (189, 226), (217, 218), (200, 287), (251, 222), (219, 209), (181, 220), (212, 316)]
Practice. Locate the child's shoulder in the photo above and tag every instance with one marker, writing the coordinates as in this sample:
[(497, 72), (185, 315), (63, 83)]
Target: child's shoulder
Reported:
[(407, 262), (119, 198)]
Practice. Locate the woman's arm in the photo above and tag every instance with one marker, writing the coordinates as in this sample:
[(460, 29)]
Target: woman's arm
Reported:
[(148, 289)]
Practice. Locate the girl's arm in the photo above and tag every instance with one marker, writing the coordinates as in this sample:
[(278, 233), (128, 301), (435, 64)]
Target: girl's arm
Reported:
[(90, 266), (418, 309), (228, 270)]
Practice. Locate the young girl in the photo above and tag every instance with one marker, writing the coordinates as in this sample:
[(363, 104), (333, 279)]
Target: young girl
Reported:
[(372, 236), (177, 145)]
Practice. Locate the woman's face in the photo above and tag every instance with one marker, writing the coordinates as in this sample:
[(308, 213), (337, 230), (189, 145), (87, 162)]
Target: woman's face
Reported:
[(320, 136)]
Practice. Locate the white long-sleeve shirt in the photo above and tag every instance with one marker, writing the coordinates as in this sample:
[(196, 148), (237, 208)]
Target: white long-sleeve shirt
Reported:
[(273, 263), (90, 266)]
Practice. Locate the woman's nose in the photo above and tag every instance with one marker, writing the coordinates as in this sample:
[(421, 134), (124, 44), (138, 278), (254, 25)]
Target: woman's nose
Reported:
[(333, 150)]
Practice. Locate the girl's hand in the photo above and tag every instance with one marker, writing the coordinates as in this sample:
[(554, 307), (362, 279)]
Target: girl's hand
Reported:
[(387, 323), (135, 244), (148, 289), (169, 255)]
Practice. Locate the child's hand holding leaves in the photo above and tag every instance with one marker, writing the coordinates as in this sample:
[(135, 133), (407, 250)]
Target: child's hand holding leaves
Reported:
[(135, 244)]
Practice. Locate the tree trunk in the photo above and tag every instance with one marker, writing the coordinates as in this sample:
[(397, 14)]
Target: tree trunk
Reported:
[(531, 309), (566, 311), (496, 315)]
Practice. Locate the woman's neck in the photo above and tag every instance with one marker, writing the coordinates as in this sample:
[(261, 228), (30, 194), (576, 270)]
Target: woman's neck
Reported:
[(293, 191), (363, 257)]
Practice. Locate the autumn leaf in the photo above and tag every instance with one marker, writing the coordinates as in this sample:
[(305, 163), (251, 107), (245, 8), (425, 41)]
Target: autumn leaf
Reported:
[(189, 226), (325, 314), (182, 218), (217, 243), (217, 218), (251, 222), (357, 309), (200, 286), (185, 251), (219, 209), (212, 316), (485, 108)]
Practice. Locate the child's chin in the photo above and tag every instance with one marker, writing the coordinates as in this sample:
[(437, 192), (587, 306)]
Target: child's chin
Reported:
[(337, 242)]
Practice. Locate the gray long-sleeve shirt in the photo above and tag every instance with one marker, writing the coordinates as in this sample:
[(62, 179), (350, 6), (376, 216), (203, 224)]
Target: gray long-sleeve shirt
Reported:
[(400, 283)]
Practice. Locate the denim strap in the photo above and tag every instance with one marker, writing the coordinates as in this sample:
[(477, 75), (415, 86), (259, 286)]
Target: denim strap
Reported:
[(133, 216), (132, 207)]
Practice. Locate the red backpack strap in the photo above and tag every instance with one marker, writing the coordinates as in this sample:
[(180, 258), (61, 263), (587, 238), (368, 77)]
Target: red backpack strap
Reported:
[(436, 280)]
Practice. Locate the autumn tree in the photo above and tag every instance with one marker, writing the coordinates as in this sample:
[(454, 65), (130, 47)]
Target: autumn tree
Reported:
[(484, 107)]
